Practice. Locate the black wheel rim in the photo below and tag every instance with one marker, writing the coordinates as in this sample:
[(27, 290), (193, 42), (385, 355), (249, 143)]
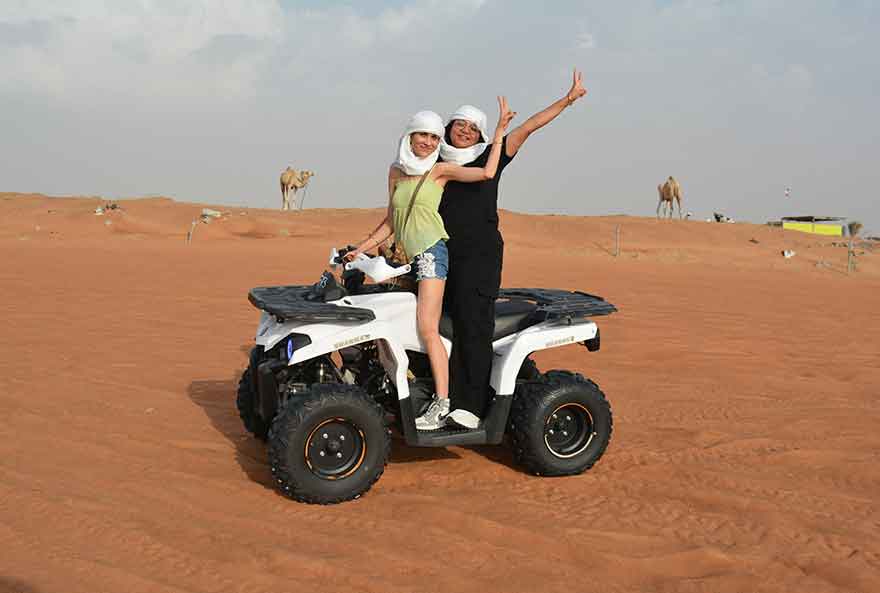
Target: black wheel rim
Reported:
[(569, 430), (335, 449)]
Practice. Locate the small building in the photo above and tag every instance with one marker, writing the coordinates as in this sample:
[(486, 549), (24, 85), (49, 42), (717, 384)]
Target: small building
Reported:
[(834, 226)]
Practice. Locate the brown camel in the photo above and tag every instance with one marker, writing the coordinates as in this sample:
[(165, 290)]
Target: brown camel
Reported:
[(668, 191), (291, 179)]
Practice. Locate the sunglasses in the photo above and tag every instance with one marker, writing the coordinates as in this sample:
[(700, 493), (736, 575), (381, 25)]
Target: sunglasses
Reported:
[(465, 126)]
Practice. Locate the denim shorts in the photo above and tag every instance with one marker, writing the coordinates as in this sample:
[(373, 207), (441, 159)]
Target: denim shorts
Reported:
[(433, 262)]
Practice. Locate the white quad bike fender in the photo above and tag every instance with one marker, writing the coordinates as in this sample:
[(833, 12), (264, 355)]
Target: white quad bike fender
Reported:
[(394, 329), (512, 350)]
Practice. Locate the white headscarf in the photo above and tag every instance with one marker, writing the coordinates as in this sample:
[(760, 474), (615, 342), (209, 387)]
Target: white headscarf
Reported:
[(407, 161), (462, 156)]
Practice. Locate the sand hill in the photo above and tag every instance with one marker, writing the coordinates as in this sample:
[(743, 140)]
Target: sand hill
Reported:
[(743, 384)]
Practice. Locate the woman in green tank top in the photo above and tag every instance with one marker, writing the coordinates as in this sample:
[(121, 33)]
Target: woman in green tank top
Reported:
[(420, 231)]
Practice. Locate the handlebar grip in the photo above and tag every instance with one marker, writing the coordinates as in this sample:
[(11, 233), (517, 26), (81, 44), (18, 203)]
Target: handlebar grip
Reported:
[(341, 253)]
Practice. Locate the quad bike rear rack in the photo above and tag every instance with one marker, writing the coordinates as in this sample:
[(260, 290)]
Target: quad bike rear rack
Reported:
[(554, 304)]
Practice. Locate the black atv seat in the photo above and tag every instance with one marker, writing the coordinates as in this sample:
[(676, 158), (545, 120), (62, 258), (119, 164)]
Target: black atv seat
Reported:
[(510, 317)]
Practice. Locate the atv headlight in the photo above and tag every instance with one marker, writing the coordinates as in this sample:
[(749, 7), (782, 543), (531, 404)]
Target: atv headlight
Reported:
[(293, 343)]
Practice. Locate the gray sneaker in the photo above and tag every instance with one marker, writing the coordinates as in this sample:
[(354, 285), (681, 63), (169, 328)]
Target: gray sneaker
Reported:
[(435, 416)]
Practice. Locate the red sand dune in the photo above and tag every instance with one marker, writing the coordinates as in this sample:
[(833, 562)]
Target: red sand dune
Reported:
[(744, 388)]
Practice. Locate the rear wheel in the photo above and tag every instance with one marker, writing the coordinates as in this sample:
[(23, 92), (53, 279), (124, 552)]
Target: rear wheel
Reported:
[(245, 404), (529, 370), (560, 425), (329, 445)]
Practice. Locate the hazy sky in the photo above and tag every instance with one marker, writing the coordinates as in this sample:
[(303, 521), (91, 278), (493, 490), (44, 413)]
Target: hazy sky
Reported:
[(208, 100)]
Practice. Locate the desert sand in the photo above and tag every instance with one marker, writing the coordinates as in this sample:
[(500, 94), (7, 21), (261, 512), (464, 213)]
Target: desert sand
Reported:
[(744, 388)]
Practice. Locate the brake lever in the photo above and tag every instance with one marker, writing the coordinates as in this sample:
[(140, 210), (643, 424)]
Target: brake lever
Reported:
[(337, 257)]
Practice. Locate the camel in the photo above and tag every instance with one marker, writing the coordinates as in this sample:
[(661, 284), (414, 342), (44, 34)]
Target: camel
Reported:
[(668, 191), (291, 179)]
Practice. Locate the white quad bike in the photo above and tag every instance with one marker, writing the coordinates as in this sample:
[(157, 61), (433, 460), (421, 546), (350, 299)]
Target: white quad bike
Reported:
[(337, 366)]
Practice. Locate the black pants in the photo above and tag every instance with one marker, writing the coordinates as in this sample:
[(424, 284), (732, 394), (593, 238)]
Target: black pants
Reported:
[(471, 289)]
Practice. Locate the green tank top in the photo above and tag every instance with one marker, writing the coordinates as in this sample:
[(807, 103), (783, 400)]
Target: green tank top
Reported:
[(425, 227)]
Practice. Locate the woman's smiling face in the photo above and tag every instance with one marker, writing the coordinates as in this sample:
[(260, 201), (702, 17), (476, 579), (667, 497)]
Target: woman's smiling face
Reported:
[(423, 143), (464, 134)]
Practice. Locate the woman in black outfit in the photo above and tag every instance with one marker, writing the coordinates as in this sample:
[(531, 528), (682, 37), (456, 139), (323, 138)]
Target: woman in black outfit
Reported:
[(476, 249)]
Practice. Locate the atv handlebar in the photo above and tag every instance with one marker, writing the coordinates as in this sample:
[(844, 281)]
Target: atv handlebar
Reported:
[(337, 256), (376, 267)]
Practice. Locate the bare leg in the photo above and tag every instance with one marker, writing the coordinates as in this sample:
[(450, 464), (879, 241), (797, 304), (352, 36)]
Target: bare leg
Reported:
[(659, 204), (428, 315)]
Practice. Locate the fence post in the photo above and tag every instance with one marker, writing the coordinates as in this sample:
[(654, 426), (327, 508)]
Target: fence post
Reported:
[(191, 231), (617, 241), (849, 256)]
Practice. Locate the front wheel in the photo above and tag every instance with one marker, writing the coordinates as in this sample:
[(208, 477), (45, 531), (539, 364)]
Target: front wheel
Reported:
[(245, 401), (329, 445), (560, 424)]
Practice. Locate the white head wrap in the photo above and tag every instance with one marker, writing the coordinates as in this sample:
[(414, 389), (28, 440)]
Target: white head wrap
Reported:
[(407, 161), (462, 156)]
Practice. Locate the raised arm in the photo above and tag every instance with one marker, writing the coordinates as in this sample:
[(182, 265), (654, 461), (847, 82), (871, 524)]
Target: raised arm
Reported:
[(452, 172), (516, 138)]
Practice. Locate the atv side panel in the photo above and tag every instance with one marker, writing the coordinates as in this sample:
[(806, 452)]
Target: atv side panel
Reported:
[(510, 352)]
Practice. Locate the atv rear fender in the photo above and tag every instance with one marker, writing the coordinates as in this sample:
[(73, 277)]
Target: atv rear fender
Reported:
[(511, 351)]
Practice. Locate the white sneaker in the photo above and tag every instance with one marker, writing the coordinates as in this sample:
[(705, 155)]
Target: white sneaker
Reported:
[(435, 416), (463, 418)]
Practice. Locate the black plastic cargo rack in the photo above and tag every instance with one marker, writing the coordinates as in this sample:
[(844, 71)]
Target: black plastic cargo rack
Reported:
[(288, 303), (560, 304)]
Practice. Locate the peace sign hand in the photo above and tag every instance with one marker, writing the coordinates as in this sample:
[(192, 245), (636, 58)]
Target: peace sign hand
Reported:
[(577, 89), (504, 117)]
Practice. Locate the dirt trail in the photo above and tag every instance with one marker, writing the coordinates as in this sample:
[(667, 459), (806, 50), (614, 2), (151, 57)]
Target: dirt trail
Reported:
[(743, 385)]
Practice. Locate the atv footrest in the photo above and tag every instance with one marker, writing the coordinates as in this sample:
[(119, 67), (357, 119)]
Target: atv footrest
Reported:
[(448, 437)]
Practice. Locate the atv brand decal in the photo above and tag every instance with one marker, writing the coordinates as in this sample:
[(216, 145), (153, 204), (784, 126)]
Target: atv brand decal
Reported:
[(559, 342), (351, 341)]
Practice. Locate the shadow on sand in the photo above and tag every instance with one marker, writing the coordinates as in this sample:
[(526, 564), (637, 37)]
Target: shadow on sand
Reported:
[(12, 585), (497, 454), (606, 250), (403, 453), (217, 399)]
